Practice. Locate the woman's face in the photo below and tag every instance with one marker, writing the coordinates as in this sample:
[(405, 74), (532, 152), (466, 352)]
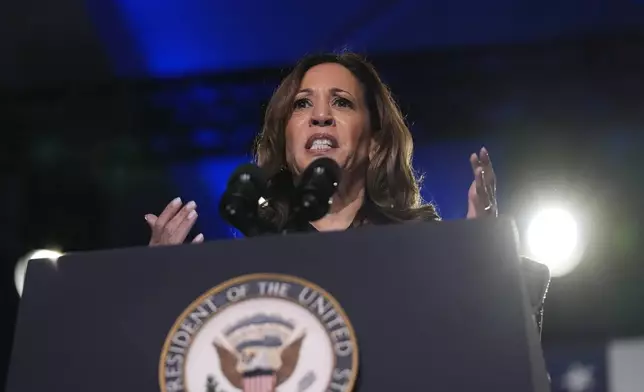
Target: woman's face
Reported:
[(330, 119)]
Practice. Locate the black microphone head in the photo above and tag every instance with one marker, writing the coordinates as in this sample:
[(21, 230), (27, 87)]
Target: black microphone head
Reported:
[(251, 173), (240, 201), (322, 169), (316, 187)]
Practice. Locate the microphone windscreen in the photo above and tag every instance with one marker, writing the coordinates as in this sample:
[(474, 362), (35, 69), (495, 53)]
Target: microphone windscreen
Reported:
[(322, 168), (249, 173), (240, 202), (318, 183)]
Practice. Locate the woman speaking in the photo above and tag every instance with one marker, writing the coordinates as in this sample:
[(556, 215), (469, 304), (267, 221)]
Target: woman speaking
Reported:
[(336, 106)]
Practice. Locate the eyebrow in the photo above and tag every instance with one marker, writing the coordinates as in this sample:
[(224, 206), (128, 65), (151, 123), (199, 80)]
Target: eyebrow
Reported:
[(334, 90)]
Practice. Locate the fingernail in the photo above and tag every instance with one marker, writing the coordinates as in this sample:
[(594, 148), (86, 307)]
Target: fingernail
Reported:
[(191, 205), (192, 214), (176, 202), (146, 217), (484, 149), (199, 237)]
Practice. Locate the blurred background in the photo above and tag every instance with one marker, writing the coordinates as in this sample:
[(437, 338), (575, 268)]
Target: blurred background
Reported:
[(111, 108)]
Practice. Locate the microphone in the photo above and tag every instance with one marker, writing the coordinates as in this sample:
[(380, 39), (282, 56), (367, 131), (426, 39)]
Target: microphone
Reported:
[(240, 202), (317, 184)]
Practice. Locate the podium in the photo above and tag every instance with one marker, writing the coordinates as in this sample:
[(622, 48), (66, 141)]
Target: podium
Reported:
[(409, 307)]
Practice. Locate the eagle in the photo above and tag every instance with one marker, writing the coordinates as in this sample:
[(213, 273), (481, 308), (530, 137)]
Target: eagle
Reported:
[(281, 361)]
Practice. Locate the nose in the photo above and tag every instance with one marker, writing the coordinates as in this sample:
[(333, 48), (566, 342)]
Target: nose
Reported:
[(321, 118)]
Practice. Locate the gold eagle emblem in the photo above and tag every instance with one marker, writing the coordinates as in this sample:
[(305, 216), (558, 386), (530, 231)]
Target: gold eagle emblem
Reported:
[(260, 345)]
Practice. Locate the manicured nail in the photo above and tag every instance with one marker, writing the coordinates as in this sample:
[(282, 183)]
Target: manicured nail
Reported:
[(176, 202), (199, 237), (192, 214), (191, 205)]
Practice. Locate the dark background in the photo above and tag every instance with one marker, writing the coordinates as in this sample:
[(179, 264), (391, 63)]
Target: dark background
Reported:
[(109, 109)]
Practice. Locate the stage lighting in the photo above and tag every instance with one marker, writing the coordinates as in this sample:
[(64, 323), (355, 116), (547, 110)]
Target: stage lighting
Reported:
[(552, 239), (21, 265)]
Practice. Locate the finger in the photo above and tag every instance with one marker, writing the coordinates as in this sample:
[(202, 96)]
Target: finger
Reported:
[(485, 157), (150, 219), (486, 164), (474, 161), (489, 176), (481, 192), (489, 182), (198, 239), (168, 213), (179, 217), (178, 235)]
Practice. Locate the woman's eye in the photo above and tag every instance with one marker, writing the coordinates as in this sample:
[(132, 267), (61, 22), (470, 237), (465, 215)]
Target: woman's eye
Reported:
[(343, 102), (301, 103)]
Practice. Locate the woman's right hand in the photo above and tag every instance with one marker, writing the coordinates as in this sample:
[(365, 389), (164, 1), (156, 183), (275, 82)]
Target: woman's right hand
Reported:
[(174, 224)]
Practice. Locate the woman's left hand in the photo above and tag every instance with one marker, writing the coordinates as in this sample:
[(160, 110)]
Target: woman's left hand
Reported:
[(481, 198)]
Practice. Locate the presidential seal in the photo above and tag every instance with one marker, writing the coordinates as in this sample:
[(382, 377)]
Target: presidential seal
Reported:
[(261, 333)]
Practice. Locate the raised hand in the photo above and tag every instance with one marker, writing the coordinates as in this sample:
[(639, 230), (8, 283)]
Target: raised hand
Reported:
[(174, 224), (481, 198)]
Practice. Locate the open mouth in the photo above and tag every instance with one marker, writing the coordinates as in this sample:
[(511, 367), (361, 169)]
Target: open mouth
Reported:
[(321, 142)]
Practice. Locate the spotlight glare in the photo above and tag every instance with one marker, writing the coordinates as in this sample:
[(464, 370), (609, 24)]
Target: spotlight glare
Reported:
[(21, 265), (553, 240)]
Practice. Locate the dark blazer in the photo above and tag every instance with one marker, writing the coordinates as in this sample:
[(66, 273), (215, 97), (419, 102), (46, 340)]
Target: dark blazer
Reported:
[(535, 275)]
